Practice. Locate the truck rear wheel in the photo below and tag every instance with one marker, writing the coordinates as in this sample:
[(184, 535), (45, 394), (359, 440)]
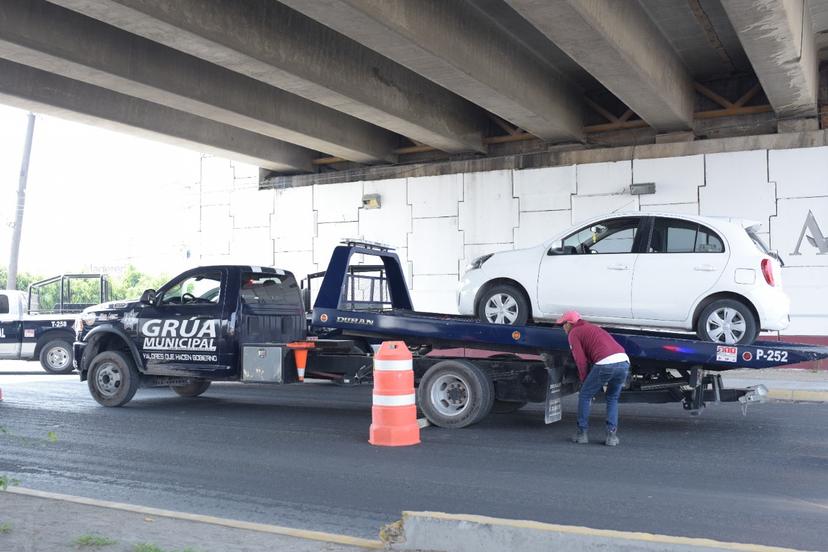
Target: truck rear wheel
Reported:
[(113, 379), (56, 357), (192, 389), (455, 394)]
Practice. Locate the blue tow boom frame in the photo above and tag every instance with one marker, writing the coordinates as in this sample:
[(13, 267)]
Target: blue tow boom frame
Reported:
[(400, 321)]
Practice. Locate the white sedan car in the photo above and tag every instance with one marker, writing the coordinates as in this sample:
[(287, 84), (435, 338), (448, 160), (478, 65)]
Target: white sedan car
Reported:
[(713, 276)]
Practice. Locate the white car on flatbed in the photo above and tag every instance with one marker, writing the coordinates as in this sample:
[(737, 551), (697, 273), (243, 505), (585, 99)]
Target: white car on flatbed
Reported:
[(714, 276)]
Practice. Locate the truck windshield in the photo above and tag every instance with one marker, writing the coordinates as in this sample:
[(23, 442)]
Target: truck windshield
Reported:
[(270, 289)]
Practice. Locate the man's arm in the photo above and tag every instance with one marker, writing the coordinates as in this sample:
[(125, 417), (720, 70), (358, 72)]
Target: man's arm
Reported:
[(578, 354)]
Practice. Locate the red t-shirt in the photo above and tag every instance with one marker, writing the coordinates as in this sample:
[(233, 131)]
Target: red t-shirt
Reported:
[(589, 344)]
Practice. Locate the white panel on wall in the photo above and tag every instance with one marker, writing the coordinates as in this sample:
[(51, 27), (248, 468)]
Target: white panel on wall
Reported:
[(252, 246), (435, 246), (328, 237), (337, 202), (299, 262), (391, 223), (216, 229), (245, 172), (251, 208), (536, 228), (604, 178), (737, 186), (799, 172), (435, 294), (216, 174), (584, 207), (488, 212), (678, 208), (435, 196), (293, 223), (546, 189), (794, 216), (809, 300), (677, 179)]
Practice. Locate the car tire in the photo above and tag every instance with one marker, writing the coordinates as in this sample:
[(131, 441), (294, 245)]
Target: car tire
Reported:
[(192, 389), (455, 393), (504, 302), (729, 322), (113, 378), (56, 357)]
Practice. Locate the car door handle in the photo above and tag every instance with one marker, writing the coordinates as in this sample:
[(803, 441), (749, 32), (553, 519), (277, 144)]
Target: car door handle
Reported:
[(617, 267), (705, 268)]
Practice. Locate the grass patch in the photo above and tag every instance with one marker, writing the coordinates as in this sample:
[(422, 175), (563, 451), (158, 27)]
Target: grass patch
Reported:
[(52, 436), (5, 528), (6, 482), (95, 541)]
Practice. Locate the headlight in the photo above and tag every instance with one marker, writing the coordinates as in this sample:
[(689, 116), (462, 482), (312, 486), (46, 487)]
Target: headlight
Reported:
[(478, 262), (87, 318)]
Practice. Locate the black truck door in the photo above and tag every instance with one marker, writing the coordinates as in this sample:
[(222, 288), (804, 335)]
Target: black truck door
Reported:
[(185, 330)]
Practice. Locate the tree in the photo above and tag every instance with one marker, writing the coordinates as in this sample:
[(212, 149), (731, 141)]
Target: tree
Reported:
[(132, 284)]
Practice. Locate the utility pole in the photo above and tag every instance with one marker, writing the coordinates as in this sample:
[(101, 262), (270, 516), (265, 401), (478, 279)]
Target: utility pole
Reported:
[(21, 204)]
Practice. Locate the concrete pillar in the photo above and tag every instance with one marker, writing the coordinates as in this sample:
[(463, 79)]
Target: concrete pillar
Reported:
[(43, 92), (464, 51), (268, 41), (779, 41), (45, 36), (621, 47)]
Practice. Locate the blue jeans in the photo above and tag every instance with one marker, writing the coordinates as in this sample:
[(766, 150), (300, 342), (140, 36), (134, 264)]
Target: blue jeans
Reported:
[(611, 375)]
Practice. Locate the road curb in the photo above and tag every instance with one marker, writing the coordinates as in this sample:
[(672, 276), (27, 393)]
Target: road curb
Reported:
[(321, 536), (798, 395), (441, 532)]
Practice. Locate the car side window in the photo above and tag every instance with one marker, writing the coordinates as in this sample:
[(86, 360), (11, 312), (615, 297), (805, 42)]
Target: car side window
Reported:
[(609, 236), (683, 236), (196, 289)]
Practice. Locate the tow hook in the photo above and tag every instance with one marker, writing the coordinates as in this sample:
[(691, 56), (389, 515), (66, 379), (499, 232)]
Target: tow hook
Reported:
[(756, 394)]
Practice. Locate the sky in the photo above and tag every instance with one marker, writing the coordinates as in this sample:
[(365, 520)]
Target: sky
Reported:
[(96, 199)]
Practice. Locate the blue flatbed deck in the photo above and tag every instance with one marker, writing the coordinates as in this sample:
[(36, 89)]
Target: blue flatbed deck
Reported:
[(647, 350)]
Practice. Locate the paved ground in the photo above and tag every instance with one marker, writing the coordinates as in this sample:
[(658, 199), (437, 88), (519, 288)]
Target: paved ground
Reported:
[(297, 456), (41, 525)]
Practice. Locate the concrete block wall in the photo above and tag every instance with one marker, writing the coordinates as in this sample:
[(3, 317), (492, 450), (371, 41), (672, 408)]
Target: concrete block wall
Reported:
[(440, 223)]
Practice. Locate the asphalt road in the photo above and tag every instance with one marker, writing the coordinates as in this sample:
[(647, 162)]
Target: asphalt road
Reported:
[(298, 456)]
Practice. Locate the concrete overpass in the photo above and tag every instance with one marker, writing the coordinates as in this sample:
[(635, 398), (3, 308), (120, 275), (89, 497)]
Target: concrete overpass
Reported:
[(301, 86)]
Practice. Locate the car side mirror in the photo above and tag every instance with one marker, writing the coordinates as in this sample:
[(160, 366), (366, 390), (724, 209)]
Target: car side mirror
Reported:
[(148, 297), (563, 250)]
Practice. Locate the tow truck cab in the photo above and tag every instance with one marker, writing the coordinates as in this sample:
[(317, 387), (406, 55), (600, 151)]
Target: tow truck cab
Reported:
[(38, 325), (192, 329)]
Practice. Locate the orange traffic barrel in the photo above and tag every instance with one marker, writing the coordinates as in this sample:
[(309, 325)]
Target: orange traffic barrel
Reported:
[(394, 414)]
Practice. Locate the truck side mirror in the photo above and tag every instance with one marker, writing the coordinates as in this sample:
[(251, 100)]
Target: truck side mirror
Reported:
[(148, 297)]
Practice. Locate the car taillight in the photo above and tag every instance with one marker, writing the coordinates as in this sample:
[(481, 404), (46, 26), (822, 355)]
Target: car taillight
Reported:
[(767, 271)]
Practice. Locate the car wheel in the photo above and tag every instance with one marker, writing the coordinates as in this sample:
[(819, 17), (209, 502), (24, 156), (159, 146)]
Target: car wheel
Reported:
[(503, 304), (455, 394), (113, 379), (56, 357), (192, 389), (727, 321)]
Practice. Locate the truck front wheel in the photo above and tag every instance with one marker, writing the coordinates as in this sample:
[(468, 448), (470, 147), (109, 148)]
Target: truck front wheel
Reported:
[(455, 394), (113, 379), (192, 389), (56, 357)]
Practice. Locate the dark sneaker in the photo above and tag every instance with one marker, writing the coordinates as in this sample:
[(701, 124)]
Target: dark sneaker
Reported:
[(612, 439), (580, 437)]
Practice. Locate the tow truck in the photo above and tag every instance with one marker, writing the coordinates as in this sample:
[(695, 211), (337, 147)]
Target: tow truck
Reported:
[(38, 325), (247, 323)]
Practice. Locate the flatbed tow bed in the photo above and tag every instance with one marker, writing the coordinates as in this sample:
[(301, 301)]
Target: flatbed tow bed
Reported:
[(664, 367)]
